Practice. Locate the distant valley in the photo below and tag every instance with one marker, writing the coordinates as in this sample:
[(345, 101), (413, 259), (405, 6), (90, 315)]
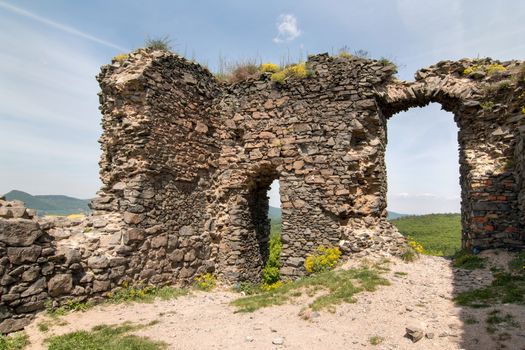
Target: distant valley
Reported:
[(50, 204), (65, 205)]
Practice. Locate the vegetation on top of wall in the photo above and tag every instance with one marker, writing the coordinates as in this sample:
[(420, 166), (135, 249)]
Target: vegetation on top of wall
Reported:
[(489, 69), (269, 68), (236, 71), (120, 57), (296, 70), (158, 43)]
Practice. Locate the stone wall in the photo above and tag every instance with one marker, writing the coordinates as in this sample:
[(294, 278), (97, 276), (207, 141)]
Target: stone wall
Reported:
[(187, 162), (49, 261)]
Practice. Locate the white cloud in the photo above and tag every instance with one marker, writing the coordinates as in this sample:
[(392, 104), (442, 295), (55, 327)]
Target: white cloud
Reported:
[(287, 29)]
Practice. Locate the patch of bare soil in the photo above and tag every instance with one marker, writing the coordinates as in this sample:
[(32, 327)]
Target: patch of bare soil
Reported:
[(419, 297)]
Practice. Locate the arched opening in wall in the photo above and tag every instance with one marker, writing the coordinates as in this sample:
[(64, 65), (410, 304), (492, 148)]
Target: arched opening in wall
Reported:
[(265, 215), (422, 161)]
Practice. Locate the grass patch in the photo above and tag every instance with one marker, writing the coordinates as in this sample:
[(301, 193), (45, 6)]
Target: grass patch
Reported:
[(375, 340), (495, 320), (400, 273), (70, 306), (126, 293), (205, 282), (335, 287), (439, 234), (14, 341), (465, 260), (506, 287), (471, 320), (105, 337), (144, 294)]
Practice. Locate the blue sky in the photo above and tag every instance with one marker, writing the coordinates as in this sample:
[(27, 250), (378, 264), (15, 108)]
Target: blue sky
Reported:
[(52, 50)]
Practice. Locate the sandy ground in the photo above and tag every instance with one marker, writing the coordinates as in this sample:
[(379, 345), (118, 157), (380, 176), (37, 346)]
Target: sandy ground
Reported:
[(422, 298)]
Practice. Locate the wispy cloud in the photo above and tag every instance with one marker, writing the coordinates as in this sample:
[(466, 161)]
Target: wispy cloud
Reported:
[(49, 117), (62, 27), (287, 29)]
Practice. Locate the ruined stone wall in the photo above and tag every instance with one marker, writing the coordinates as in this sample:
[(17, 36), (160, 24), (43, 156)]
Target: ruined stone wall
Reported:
[(187, 161), (49, 261), (323, 138), (486, 106), (159, 152)]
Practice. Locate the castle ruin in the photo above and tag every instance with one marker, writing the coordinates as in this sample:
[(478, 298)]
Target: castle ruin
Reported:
[(187, 162)]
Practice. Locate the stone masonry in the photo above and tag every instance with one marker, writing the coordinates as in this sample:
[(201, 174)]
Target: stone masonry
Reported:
[(187, 162)]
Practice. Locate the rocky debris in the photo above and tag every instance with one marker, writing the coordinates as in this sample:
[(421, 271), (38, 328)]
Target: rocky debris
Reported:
[(414, 333), (278, 341), (15, 209)]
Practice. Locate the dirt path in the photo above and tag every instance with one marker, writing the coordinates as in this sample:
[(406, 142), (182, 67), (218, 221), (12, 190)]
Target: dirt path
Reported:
[(421, 298)]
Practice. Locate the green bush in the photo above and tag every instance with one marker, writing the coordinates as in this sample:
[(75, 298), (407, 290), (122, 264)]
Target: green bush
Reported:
[(271, 273)]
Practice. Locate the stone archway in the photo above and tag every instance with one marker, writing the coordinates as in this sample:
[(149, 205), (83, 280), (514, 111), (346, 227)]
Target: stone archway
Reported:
[(489, 203)]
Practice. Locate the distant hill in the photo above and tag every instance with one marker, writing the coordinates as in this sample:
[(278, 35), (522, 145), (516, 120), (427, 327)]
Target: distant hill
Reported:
[(50, 204), (438, 233), (274, 213), (392, 215)]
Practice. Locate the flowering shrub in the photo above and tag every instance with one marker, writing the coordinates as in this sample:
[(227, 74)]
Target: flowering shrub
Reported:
[(324, 259), (268, 68), (297, 70), (205, 282), (523, 110), (269, 287), (489, 69), (120, 57)]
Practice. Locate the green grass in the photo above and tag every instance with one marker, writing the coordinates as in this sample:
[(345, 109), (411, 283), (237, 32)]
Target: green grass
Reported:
[(466, 260), (376, 340), (495, 320), (14, 341), (144, 294), (440, 234), (126, 293), (105, 337), (506, 287), (329, 288)]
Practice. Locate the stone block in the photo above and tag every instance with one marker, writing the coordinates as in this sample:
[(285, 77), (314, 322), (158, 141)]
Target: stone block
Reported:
[(20, 255), (60, 284)]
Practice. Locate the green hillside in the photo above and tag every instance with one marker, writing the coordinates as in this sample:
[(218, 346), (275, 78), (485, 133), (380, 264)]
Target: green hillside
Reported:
[(50, 204), (274, 213), (392, 215), (438, 233)]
